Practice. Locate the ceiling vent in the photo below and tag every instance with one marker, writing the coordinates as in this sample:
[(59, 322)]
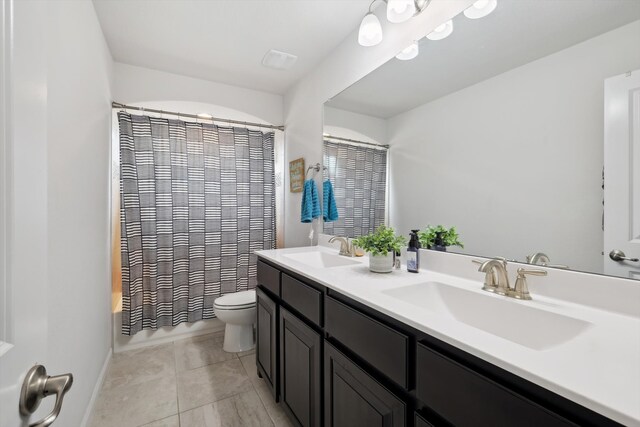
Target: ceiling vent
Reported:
[(279, 60)]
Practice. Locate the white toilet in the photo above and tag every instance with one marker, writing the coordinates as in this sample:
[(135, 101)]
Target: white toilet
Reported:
[(238, 311)]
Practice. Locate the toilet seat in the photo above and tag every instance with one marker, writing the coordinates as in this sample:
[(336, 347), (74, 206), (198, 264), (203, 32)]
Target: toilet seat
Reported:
[(236, 301)]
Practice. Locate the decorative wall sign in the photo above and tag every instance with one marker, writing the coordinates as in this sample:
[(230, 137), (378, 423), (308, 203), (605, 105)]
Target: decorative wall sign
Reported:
[(296, 175)]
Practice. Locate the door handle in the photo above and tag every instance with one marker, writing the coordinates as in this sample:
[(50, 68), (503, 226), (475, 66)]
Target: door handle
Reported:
[(618, 255), (36, 386)]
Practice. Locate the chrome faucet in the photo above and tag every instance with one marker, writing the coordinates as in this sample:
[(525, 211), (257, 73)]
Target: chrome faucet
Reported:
[(542, 259), (346, 248), (538, 258), (497, 279)]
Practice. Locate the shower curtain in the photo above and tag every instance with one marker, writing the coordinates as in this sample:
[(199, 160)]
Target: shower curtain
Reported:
[(359, 178), (196, 201)]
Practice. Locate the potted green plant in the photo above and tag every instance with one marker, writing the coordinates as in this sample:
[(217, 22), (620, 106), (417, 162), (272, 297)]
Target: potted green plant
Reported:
[(439, 237), (381, 245)]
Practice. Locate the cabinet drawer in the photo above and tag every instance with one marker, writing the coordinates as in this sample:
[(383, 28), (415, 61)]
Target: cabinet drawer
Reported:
[(303, 298), (381, 346), (466, 398), (269, 277)]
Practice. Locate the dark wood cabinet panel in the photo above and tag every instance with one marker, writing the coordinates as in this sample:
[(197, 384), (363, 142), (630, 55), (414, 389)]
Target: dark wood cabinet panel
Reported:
[(300, 367), (355, 399), (267, 340), (466, 398), (421, 422), (303, 298), (381, 346), (269, 277)]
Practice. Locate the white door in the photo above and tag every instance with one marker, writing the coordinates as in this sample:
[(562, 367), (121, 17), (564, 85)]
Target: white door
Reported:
[(23, 209), (622, 175)]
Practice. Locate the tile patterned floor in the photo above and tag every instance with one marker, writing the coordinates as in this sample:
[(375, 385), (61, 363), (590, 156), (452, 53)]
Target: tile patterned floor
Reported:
[(186, 383)]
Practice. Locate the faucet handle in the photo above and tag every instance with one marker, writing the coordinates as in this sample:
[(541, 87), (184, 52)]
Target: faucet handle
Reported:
[(521, 290), (532, 272), (561, 266)]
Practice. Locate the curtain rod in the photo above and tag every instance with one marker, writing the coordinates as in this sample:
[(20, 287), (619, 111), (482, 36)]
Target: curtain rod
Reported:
[(195, 116), (355, 141)]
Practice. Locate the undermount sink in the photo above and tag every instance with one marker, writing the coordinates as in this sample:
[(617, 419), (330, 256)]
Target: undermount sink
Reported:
[(321, 259), (528, 326)]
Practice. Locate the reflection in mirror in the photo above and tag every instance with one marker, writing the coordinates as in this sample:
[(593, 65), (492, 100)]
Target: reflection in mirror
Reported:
[(356, 174), (508, 130)]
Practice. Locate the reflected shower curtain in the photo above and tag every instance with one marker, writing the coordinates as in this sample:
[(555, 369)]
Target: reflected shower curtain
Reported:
[(196, 201), (359, 178)]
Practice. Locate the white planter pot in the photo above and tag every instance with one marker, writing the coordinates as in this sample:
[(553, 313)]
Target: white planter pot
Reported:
[(381, 263)]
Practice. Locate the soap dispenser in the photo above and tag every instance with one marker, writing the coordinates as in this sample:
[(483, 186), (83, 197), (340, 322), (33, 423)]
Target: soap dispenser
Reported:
[(438, 244), (413, 252)]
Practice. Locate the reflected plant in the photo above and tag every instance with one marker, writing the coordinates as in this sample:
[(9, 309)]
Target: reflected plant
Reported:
[(450, 236)]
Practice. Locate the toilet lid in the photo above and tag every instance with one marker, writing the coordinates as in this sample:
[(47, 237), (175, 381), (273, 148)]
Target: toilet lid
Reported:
[(236, 299)]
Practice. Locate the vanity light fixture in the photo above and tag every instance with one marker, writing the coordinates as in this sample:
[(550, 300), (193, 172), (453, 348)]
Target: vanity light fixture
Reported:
[(409, 52), (442, 31), (400, 10), (480, 9), (370, 32)]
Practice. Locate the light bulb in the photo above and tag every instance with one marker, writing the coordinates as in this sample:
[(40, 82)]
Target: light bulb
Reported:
[(480, 9), (370, 33), (400, 10), (409, 52), (442, 31)]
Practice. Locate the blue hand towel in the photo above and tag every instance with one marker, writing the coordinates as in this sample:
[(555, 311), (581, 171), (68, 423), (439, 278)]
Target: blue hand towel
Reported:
[(329, 208), (310, 202)]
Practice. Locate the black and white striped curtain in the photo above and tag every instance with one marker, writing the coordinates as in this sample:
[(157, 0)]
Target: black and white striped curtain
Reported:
[(359, 178), (196, 201)]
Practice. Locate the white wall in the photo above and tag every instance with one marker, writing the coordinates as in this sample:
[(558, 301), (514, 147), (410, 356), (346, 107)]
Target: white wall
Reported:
[(348, 63), (347, 124), (79, 79), (143, 86), (515, 162)]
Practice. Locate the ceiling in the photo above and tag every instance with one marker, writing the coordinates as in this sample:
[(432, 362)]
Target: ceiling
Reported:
[(517, 32), (225, 40)]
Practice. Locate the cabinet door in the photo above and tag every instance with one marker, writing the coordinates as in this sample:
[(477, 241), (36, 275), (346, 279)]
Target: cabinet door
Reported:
[(300, 360), (355, 399), (267, 340), (421, 422)]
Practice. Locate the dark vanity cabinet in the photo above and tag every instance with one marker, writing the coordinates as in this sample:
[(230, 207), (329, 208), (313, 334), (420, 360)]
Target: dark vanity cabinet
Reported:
[(300, 361), (267, 325), (465, 397), (334, 362), (355, 398), (267, 340)]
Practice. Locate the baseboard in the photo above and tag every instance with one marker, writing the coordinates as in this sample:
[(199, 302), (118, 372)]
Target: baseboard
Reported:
[(147, 338), (88, 413)]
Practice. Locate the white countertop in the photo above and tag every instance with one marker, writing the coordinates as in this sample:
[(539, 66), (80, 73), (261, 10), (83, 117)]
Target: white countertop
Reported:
[(599, 368)]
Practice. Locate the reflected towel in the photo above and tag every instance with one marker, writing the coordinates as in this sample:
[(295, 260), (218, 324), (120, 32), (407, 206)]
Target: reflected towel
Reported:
[(329, 208), (310, 202)]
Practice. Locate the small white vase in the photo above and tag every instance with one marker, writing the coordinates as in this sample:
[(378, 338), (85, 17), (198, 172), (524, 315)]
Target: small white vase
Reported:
[(381, 263)]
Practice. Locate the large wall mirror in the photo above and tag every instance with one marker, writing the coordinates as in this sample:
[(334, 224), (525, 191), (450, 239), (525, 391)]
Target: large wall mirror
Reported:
[(521, 129)]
